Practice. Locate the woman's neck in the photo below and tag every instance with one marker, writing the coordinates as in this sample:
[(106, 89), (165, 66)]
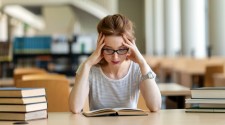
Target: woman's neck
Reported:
[(116, 72)]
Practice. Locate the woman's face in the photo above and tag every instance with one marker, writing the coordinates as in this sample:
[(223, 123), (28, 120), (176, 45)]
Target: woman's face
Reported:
[(114, 51)]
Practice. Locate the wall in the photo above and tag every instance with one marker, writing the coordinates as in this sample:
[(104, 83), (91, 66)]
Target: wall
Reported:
[(134, 10), (59, 20)]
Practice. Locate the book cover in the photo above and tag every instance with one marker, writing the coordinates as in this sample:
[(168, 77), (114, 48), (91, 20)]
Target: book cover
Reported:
[(208, 92), (205, 100), (115, 112), (22, 100), (23, 108), (21, 92), (15, 116), (202, 105), (202, 110)]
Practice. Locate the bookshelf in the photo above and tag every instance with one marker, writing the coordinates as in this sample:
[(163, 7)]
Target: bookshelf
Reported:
[(48, 53), (56, 63), (5, 59)]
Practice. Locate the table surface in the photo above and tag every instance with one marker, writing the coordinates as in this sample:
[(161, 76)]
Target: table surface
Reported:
[(163, 117), (173, 89)]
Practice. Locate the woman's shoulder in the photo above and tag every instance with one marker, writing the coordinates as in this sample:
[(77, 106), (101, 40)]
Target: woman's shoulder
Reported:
[(95, 67), (134, 65)]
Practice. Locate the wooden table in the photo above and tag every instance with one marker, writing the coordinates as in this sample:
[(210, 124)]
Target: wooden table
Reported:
[(173, 89), (193, 78), (175, 92), (163, 117), (193, 74), (219, 80)]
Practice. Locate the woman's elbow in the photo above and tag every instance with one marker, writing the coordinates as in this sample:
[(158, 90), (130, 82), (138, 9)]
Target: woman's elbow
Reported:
[(75, 110), (154, 108), (73, 107)]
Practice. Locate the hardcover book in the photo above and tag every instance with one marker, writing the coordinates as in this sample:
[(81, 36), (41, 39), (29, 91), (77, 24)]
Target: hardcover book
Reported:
[(23, 100), (205, 101), (209, 110), (115, 112), (208, 92), (23, 116), (23, 108), (21, 92)]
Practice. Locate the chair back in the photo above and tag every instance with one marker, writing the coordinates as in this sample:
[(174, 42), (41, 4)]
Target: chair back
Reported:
[(19, 72), (57, 92), (43, 76), (210, 71), (141, 103)]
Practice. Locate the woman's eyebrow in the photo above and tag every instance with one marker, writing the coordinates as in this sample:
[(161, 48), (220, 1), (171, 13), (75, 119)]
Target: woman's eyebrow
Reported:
[(111, 47), (107, 46)]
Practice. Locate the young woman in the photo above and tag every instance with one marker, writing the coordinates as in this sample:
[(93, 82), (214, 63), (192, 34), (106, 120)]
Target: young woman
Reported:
[(115, 72)]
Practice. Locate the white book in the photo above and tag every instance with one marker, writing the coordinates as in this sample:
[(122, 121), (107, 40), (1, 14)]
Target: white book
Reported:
[(23, 108), (208, 92), (209, 101), (24, 116)]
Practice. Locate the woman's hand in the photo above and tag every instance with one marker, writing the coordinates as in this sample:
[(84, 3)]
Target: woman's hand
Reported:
[(96, 56), (133, 53)]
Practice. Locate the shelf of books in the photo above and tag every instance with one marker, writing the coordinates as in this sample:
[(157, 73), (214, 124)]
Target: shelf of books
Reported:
[(54, 55), (207, 99), (23, 104), (57, 55)]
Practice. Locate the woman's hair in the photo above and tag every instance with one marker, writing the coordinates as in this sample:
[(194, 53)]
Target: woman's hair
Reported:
[(116, 24)]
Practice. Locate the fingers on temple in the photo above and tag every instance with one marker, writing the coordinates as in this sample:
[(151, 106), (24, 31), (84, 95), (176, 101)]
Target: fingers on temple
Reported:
[(126, 39), (102, 45), (102, 39), (99, 37)]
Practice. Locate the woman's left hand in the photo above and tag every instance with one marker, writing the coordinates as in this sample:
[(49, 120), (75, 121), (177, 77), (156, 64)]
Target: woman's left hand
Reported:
[(134, 53)]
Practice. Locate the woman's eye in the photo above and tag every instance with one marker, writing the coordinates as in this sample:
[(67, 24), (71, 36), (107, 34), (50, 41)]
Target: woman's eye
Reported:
[(109, 50)]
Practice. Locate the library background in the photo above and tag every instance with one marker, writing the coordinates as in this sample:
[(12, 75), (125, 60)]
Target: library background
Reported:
[(54, 35), (58, 35), (42, 43)]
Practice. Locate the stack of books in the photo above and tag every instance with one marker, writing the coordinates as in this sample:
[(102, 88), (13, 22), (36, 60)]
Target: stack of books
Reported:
[(207, 99), (22, 104)]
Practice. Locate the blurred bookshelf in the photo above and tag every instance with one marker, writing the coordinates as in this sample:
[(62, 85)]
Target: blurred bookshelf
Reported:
[(5, 51), (5, 59), (57, 55)]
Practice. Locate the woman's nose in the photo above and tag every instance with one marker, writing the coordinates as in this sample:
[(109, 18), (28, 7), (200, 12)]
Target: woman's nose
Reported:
[(115, 55)]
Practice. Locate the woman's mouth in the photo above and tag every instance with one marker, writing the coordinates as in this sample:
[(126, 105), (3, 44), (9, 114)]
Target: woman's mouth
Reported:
[(115, 62)]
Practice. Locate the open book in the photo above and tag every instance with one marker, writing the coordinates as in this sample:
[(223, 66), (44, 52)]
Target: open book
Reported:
[(115, 112)]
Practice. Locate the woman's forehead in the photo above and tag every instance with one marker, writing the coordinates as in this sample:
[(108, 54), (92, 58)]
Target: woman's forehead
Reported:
[(114, 41)]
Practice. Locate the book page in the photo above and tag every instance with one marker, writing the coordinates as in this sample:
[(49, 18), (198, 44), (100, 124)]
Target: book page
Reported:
[(101, 110), (127, 109)]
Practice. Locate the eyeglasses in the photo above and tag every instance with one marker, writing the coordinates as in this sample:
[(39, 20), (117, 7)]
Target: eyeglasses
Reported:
[(111, 51)]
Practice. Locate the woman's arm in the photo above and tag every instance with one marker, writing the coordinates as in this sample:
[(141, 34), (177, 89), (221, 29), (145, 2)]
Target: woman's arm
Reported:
[(149, 89), (80, 90)]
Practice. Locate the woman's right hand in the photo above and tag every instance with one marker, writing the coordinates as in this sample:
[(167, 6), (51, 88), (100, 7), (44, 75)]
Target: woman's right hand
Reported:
[(96, 56)]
